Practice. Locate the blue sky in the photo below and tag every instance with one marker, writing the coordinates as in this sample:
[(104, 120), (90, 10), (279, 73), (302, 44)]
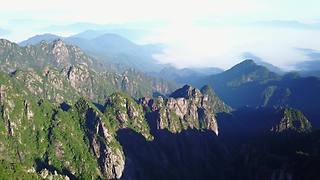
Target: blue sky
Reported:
[(197, 32)]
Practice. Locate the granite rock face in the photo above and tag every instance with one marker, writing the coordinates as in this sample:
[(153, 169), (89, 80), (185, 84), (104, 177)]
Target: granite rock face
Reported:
[(186, 108), (292, 120), (102, 140), (128, 113)]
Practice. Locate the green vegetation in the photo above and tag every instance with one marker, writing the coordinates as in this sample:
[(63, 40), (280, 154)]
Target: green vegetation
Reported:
[(41, 139), (15, 171), (295, 120), (37, 135), (128, 114)]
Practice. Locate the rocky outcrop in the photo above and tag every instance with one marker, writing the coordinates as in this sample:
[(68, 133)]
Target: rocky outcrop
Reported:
[(28, 112), (60, 52), (80, 79), (186, 108), (102, 140), (66, 55), (2, 94), (45, 174), (49, 84), (129, 114), (12, 109), (292, 120)]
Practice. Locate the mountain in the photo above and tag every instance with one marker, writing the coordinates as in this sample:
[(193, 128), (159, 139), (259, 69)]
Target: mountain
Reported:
[(38, 38), (51, 141), (185, 75), (214, 100), (42, 106), (66, 115), (110, 48), (133, 31), (205, 70), (59, 71), (113, 39), (252, 85), (260, 61), (113, 48), (309, 68), (245, 72), (89, 34), (237, 86), (314, 73), (252, 121), (186, 108), (269, 66), (148, 138)]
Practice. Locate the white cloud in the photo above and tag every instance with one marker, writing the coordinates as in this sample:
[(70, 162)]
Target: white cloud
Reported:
[(189, 44), (223, 46)]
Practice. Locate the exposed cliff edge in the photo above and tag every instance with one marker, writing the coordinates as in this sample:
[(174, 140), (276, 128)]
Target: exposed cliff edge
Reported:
[(186, 108)]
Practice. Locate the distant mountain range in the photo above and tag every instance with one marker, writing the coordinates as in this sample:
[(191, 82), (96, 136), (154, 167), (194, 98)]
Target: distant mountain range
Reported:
[(315, 73), (110, 48), (309, 68), (185, 75), (119, 51)]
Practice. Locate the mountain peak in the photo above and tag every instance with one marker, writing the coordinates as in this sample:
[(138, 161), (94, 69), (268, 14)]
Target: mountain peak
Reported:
[(5, 43), (38, 38), (60, 51), (292, 119), (58, 42), (247, 71), (111, 37), (247, 62), (46, 35), (186, 91), (114, 41)]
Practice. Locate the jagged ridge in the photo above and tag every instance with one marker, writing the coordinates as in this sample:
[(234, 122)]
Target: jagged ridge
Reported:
[(53, 70)]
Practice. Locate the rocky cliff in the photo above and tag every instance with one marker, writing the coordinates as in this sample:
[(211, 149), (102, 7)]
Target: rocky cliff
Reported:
[(186, 108), (292, 120)]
